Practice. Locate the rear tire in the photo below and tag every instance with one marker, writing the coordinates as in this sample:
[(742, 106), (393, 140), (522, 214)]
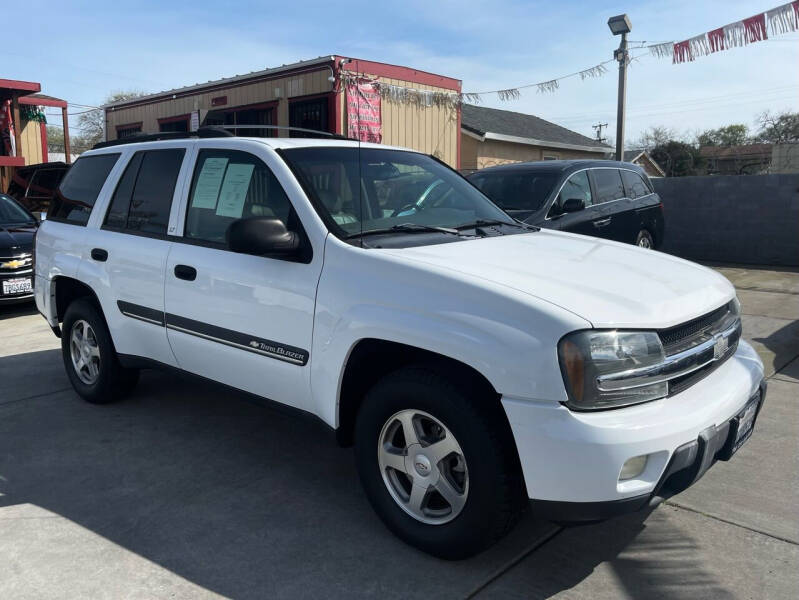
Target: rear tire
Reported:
[(644, 240), (479, 463), (89, 356)]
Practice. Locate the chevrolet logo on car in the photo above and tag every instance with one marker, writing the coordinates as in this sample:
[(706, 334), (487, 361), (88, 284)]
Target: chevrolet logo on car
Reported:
[(15, 263)]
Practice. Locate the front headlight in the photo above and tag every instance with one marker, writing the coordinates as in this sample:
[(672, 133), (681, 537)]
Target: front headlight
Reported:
[(585, 356)]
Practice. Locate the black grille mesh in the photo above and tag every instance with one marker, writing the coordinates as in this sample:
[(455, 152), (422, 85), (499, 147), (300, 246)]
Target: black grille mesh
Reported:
[(681, 335)]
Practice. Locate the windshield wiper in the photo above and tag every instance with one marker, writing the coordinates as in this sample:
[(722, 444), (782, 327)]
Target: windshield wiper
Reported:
[(488, 223), (406, 228)]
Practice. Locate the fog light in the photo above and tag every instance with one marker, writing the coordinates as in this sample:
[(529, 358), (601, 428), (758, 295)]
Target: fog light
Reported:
[(633, 467)]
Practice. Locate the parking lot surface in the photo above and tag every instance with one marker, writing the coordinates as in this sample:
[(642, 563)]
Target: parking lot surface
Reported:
[(186, 490)]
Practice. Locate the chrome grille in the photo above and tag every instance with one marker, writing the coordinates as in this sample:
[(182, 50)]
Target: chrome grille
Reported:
[(14, 264)]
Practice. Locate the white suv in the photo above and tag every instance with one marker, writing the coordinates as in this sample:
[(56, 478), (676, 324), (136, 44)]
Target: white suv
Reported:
[(477, 364)]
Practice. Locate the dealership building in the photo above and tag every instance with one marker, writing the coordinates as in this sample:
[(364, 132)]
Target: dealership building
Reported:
[(394, 105)]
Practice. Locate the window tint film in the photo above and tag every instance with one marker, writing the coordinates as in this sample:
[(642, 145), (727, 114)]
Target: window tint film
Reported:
[(151, 200), (229, 185), (516, 190), (117, 215), (357, 191), (80, 187), (634, 184), (576, 186), (608, 185), (11, 213)]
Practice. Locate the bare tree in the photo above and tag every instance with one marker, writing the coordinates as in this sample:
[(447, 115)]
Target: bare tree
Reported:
[(657, 135), (91, 123), (778, 127)]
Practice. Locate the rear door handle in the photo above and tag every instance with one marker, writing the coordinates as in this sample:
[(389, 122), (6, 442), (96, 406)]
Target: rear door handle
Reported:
[(185, 272), (602, 222), (99, 254)]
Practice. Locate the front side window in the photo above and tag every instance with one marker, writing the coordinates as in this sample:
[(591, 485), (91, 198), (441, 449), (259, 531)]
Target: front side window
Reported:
[(143, 197), (80, 187), (229, 185), (634, 184), (369, 189), (576, 187), (608, 185), (517, 190)]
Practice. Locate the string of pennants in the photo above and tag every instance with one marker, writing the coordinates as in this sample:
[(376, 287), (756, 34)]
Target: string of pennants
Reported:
[(780, 20)]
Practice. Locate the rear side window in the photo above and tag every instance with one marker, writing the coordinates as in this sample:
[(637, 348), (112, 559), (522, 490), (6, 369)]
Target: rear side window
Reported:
[(229, 185), (608, 185), (143, 198), (634, 184), (80, 187)]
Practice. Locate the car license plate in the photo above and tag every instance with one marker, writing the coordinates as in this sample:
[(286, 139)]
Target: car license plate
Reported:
[(17, 286), (745, 423)]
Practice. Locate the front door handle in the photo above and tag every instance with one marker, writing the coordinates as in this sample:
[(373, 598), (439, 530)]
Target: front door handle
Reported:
[(185, 272), (602, 222), (99, 254)]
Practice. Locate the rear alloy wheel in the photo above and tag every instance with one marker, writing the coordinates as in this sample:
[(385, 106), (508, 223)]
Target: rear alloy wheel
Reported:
[(89, 356), (85, 352), (644, 240), (438, 461)]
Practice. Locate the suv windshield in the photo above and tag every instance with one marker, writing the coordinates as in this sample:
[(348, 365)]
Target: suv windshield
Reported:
[(11, 213), (517, 190), (370, 189)]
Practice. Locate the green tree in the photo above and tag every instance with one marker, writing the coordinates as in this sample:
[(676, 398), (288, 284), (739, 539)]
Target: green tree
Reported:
[(678, 159), (91, 123), (730, 135), (779, 127)]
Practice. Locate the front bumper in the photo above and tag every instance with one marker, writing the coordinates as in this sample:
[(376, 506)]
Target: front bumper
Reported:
[(572, 461)]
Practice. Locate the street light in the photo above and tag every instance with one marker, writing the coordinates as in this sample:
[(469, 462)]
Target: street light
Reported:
[(620, 25)]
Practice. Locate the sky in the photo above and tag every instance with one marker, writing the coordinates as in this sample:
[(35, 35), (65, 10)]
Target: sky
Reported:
[(82, 51)]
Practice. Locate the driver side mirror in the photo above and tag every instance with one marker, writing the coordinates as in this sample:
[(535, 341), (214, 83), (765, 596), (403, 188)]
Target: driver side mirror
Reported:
[(262, 236), (572, 205)]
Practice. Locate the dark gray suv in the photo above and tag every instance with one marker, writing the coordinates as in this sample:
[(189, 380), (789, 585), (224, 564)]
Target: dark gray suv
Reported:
[(602, 198)]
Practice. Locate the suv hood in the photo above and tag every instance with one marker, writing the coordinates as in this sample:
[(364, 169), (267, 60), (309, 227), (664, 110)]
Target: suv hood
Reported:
[(607, 283), (16, 238)]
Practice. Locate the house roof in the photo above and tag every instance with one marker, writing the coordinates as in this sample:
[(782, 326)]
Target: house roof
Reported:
[(506, 125), (631, 155), (43, 100), (743, 151)]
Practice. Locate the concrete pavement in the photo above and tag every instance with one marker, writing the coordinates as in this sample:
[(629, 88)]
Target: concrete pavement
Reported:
[(186, 491)]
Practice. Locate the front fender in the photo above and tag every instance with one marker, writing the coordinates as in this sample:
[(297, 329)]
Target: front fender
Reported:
[(507, 336)]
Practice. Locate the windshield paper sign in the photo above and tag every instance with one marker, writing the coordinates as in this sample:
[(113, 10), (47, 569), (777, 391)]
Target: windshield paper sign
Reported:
[(363, 112)]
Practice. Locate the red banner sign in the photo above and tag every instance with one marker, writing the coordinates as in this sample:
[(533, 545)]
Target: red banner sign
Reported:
[(364, 121)]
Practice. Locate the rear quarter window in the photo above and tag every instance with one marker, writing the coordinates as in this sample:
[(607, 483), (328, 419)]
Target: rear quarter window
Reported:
[(634, 184), (80, 187)]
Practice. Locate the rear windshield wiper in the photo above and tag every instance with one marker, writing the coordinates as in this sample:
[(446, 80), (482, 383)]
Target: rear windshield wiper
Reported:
[(406, 228)]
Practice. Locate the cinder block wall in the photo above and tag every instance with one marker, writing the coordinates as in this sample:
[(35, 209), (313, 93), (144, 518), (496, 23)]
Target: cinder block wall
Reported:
[(747, 219)]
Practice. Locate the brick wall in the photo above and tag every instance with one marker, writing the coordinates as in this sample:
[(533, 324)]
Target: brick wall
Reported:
[(747, 219)]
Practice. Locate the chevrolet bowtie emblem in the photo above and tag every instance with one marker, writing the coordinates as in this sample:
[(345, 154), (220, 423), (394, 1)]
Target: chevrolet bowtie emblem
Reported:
[(13, 264)]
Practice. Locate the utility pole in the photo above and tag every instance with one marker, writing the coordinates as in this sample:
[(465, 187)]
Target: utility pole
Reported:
[(620, 25), (598, 128)]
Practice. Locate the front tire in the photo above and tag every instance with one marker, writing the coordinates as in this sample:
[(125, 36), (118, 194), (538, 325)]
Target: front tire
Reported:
[(438, 463), (89, 356)]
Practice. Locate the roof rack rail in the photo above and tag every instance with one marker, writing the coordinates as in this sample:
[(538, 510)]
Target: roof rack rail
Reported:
[(211, 131)]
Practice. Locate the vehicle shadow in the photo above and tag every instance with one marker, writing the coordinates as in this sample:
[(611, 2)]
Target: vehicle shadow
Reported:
[(20, 309), (784, 343), (248, 502), (642, 555)]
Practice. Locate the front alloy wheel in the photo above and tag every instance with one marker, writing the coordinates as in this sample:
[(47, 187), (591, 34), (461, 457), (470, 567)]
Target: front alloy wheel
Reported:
[(423, 467)]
